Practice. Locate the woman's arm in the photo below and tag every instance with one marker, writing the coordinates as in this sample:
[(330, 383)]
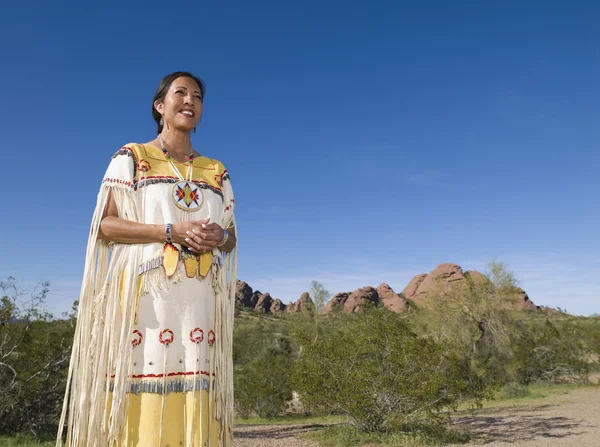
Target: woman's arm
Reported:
[(198, 236), (116, 229)]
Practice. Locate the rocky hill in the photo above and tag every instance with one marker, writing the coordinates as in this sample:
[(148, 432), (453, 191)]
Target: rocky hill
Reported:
[(447, 277), (439, 282)]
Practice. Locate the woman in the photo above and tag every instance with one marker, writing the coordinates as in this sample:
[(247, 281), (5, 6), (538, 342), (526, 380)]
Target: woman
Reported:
[(151, 362)]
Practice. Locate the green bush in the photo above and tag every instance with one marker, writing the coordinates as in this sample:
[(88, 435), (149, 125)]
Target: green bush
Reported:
[(263, 355), (547, 350), (262, 386), (34, 359), (374, 369)]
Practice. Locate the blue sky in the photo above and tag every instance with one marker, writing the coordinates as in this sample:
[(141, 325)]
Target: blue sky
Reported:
[(367, 141)]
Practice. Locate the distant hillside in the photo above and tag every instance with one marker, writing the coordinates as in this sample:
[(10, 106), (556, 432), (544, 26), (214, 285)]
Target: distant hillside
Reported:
[(420, 290)]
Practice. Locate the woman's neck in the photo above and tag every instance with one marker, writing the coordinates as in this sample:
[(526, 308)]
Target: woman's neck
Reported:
[(177, 143)]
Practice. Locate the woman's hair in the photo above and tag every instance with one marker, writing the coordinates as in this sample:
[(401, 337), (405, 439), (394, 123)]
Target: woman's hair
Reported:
[(163, 88)]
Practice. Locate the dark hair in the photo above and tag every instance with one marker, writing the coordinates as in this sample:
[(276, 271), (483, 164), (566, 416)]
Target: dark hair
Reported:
[(163, 88)]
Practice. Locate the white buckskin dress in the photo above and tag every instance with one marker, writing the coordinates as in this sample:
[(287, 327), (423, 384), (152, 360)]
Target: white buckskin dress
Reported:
[(152, 355)]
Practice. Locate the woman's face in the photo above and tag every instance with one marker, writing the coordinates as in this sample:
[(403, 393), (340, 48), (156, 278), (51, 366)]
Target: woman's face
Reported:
[(182, 106)]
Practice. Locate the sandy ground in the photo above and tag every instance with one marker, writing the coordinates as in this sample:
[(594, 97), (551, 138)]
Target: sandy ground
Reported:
[(564, 420), (558, 421), (270, 436)]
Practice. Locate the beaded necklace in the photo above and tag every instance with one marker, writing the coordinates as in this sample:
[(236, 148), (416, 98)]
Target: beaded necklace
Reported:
[(185, 193)]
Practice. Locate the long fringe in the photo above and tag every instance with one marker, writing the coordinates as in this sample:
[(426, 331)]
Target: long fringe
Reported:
[(102, 337), (223, 361)]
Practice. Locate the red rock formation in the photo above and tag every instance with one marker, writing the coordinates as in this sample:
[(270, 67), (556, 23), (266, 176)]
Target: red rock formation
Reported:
[(522, 300), (264, 303), (243, 293), (336, 303), (277, 306), (422, 289), (446, 277), (390, 299), (358, 297), (439, 281), (305, 303), (411, 289), (254, 298)]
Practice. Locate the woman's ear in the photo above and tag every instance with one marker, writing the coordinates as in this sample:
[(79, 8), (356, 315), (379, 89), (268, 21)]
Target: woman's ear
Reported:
[(158, 105)]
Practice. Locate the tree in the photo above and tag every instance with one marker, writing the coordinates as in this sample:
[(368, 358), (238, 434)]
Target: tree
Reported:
[(472, 316), (319, 296)]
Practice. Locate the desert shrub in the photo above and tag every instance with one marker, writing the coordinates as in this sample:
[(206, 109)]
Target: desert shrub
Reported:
[(262, 386), (546, 350), (371, 367), (263, 355), (34, 359)]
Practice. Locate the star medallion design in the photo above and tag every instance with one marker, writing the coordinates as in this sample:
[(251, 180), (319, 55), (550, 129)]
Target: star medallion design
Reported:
[(187, 196)]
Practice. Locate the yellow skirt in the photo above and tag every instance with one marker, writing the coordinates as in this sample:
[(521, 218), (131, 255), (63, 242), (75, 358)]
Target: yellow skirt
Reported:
[(180, 425)]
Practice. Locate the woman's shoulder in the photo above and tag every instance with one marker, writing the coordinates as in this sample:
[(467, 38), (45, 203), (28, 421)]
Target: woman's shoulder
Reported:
[(212, 168), (130, 149), (208, 163), (140, 151)]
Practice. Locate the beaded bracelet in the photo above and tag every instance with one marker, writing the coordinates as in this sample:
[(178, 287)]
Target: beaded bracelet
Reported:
[(168, 233), (223, 239)]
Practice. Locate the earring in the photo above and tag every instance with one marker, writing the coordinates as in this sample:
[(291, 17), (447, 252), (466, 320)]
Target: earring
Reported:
[(194, 130), (162, 122)]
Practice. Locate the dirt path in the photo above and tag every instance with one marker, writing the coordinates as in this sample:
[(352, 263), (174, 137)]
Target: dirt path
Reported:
[(270, 436), (571, 420), (563, 420)]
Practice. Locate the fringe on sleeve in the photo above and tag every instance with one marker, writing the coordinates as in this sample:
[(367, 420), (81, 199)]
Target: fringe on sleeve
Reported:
[(102, 344), (224, 318)]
